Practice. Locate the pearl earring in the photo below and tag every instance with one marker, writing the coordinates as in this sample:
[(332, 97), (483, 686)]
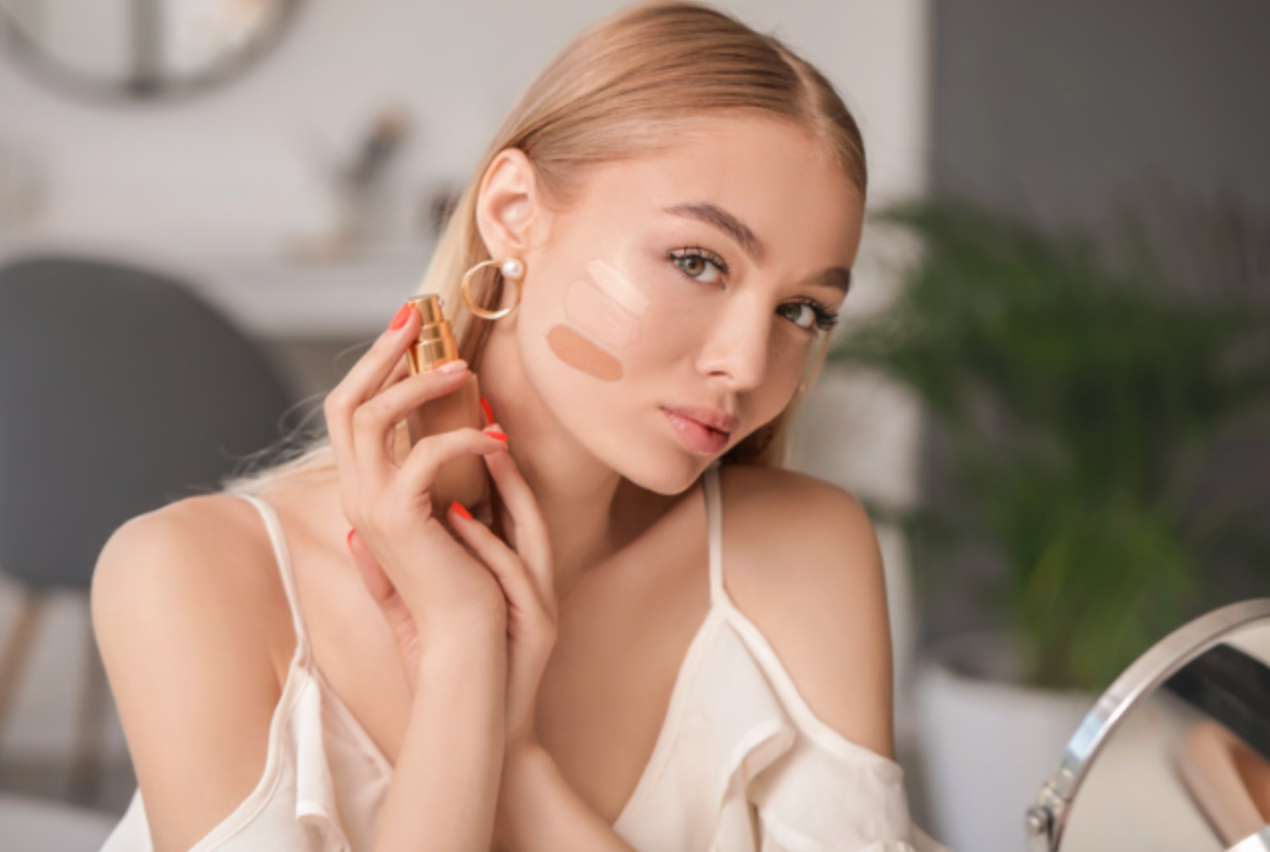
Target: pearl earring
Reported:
[(512, 269)]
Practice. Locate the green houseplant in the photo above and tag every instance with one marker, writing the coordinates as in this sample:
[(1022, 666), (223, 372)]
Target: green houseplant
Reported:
[(1079, 389)]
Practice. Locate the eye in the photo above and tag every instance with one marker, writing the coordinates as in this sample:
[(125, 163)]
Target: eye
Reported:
[(809, 315), (696, 261)]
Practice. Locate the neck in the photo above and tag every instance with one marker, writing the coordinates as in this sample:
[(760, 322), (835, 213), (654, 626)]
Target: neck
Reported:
[(589, 508)]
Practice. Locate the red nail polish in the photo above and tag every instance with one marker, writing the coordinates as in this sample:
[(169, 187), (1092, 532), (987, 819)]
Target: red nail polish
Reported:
[(496, 433), (399, 318), (489, 413), (459, 509), (349, 538)]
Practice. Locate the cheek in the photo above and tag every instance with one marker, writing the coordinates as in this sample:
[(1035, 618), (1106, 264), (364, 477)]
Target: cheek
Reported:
[(607, 307), (787, 372), (577, 325), (582, 354), (601, 323)]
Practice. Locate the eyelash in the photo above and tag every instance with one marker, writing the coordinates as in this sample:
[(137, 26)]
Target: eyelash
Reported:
[(825, 318)]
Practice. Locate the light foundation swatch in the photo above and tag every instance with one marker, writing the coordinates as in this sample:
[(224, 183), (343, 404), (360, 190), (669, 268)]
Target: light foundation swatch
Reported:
[(604, 313), (599, 317), (618, 287)]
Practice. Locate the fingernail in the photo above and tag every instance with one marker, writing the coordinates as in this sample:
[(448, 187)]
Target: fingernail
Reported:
[(349, 538), (489, 412), (495, 432), (452, 367), (399, 318), (460, 510)]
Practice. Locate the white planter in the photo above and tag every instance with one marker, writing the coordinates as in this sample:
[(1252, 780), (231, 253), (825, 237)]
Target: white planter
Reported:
[(987, 745)]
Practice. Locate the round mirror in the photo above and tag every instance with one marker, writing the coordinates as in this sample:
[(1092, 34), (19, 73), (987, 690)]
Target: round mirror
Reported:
[(1176, 753), (139, 49)]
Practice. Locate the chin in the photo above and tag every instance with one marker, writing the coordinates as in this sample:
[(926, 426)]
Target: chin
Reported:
[(666, 473)]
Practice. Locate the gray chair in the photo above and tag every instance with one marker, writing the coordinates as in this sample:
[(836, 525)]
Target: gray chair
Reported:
[(120, 391)]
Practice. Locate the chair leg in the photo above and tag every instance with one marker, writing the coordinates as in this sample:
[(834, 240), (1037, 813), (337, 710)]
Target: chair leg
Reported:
[(16, 650), (84, 785)]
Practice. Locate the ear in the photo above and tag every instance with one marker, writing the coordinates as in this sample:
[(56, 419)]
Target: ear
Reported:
[(509, 209)]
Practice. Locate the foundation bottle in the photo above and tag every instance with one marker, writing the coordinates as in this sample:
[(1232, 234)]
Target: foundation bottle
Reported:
[(466, 478)]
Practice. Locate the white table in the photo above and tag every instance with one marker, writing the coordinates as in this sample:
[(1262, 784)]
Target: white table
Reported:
[(267, 294)]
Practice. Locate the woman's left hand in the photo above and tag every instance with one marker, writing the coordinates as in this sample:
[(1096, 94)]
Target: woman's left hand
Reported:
[(523, 567)]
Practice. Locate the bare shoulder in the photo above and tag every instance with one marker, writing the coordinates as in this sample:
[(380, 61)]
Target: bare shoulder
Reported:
[(184, 609), (802, 561)]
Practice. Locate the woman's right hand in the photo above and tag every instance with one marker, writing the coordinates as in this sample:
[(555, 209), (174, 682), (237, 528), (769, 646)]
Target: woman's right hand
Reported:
[(450, 593)]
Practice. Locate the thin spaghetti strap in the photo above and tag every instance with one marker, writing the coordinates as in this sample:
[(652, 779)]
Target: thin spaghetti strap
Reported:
[(283, 556), (714, 527)]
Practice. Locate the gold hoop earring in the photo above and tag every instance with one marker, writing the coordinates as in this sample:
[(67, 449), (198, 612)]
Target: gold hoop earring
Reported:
[(513, 269)]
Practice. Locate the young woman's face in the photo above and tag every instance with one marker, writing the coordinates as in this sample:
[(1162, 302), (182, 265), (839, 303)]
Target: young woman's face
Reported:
[(687, 286)]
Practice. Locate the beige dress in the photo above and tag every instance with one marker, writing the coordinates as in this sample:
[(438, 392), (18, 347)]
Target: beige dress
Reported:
[(741, 763)]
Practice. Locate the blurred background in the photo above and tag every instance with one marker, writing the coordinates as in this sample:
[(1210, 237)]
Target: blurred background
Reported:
[(288, 162)]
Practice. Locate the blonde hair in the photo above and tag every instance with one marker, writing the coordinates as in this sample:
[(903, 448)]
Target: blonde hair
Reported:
[(617, 91)]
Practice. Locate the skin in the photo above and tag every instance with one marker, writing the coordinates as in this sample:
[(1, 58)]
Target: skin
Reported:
[(578, 439), (572, 630)]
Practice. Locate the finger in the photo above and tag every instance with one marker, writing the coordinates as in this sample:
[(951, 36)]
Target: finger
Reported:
[(433, 451), (399, 372), (369, 371), (381, 589), (374, 418), (518, 586), (378, 362), (373, 576), (529, 534)]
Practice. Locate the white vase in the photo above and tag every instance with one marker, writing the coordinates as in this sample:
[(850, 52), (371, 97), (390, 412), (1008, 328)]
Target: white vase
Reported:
[(987, 744)]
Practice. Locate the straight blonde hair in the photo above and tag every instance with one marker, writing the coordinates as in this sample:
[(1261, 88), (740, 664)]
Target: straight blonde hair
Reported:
[(619, 90)]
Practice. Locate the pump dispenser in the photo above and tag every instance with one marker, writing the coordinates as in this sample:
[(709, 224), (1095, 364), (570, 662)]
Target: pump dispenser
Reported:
[(464, 479)]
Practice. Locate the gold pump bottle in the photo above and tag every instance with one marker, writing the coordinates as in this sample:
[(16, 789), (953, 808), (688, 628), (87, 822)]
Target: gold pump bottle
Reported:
[(464, 479)]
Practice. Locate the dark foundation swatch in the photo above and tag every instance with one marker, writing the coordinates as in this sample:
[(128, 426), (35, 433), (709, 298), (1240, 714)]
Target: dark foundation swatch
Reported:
[(581, 354)]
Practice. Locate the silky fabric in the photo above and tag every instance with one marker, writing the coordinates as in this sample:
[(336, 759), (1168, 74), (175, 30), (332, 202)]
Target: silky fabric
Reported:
[(741, 763)]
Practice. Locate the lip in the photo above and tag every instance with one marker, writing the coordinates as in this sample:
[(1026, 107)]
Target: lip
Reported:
[(702, 430)]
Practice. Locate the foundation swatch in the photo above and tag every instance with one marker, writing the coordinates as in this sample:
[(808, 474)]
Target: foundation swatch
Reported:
[(618, 287), (581, 354), (592, 312)]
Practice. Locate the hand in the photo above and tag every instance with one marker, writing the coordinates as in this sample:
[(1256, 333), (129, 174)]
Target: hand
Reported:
[(524, 573), (449, 594), (523, 567)]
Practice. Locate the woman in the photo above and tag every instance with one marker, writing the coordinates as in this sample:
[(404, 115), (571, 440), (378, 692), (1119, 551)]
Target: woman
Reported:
[(678, 645)]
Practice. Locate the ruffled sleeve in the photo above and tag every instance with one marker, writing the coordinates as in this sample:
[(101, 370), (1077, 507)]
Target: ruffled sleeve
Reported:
[(801, 787), (295, 804), (813, 800), (315, 801), (749, 768)]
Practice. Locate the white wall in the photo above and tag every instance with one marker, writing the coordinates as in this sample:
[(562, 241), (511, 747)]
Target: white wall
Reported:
[(231, 174)]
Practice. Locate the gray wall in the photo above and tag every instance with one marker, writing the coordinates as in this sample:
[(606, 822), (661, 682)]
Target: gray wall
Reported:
[(1064, 111), (1057, 109)]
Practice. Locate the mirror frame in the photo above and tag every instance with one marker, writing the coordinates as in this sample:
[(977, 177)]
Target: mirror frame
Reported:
[(62, 78), (1047, 819)]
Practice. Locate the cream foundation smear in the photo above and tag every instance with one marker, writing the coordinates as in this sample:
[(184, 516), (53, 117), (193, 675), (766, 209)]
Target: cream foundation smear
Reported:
[(603, 311), (618, 287)]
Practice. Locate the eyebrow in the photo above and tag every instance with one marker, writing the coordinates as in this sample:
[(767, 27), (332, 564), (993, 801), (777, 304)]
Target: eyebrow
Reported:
[(837, 277), (712, 214)]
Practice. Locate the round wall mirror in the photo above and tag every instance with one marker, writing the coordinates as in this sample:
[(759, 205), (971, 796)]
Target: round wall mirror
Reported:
[(1175, 755), (139, 49)]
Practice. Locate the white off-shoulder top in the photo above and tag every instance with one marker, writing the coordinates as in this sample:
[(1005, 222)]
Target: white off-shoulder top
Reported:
[(741, 764)]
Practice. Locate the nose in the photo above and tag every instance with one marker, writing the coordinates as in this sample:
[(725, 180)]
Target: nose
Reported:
[(737, 346)]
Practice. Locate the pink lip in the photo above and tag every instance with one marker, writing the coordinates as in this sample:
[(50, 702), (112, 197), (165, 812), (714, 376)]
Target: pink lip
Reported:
[(701, 430)]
